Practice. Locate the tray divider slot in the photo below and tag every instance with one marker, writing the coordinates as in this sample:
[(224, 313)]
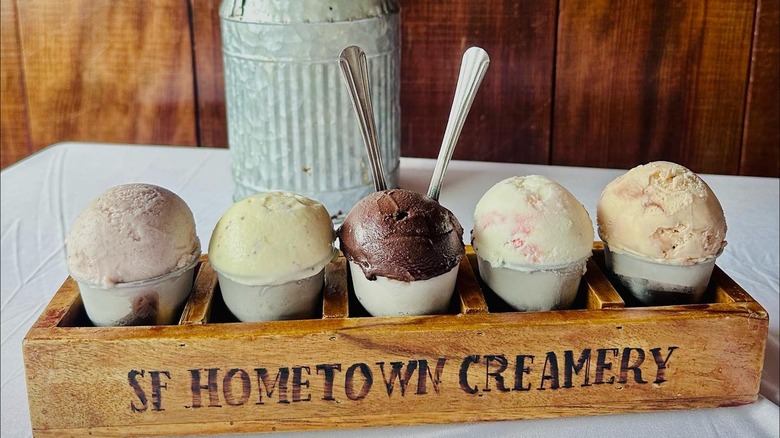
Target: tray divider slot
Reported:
[(601, 292), (197, 310), (335, 295), (469, 292)]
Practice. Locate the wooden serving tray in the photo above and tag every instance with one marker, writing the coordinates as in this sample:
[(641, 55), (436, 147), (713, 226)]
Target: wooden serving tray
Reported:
[(210, 374)]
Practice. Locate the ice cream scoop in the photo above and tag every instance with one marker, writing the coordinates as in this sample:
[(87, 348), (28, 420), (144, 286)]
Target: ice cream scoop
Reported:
[(532, 238), (131, 232), (134, 243), (656, 220), (269, 251), (403, 249), (403, 235), (662, 211)]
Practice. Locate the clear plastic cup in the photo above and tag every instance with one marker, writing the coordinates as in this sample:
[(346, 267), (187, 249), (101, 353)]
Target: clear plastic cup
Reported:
[(293, 300), (388, 297), (536, 289), (653, 283), (155, 301)]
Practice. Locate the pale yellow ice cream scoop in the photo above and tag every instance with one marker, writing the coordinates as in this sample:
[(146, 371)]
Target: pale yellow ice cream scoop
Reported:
[(131, 232), (272, 238), (664, 212)]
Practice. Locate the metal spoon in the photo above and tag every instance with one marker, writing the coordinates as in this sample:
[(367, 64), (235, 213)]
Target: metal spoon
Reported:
[(355, 72), (472, 70)]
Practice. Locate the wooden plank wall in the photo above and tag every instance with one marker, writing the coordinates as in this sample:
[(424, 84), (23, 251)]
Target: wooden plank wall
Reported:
[(571, 82), (659, 82), (761, 135)]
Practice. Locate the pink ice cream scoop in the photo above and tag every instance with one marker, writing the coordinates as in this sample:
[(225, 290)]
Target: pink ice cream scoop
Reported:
[(131, 232)]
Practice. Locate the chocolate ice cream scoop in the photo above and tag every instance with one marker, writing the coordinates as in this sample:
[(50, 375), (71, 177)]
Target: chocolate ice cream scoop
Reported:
[(401, 235)]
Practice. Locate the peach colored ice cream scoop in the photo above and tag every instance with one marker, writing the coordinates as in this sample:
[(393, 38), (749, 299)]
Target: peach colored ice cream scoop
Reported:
[(664, 212), (131, 232)]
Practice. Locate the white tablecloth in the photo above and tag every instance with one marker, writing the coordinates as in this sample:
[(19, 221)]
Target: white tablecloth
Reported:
[(43, 194)]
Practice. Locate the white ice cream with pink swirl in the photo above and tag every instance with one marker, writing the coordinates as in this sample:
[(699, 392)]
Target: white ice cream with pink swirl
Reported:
[(530, 223)]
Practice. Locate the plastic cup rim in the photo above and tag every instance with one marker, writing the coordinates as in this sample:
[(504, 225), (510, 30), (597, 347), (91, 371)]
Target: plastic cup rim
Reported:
[(146, 281), (567, 267), (707, 260)]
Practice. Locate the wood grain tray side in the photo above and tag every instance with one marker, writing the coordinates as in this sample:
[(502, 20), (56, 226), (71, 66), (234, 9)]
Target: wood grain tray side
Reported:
[(210, 374)]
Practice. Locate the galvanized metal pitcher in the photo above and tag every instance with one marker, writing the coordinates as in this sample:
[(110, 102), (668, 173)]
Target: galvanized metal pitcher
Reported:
[(291, 125)]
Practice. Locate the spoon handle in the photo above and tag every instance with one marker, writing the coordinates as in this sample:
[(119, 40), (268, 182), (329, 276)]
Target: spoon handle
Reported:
[(355, 72), (472, 70)]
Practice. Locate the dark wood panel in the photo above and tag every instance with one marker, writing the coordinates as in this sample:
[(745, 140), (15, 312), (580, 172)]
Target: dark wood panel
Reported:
[(14, 127), (638, 81), (114, 71), (210, 81), (761, 147), (510, 118), (635, 81)]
